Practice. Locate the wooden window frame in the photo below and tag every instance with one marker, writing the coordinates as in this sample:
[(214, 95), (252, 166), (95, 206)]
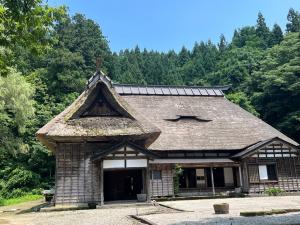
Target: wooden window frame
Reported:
[(268, 180), (155, 178)]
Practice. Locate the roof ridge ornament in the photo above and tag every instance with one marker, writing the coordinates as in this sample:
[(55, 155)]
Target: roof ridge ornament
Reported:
[(99, 76)]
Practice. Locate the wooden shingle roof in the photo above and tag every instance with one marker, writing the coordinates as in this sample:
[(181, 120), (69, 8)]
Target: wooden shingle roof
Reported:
[(124, 89)]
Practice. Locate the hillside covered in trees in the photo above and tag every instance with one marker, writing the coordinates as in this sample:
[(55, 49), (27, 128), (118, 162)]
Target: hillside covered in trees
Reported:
[(46, 57)]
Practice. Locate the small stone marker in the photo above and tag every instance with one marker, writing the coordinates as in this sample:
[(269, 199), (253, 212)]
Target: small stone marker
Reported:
[(222, 208)]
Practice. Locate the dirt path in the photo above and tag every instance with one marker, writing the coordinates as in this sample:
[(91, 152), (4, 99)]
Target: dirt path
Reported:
[(17, 214)]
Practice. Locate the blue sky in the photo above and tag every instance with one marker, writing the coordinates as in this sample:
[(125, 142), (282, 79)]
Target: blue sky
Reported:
[(170, 24)]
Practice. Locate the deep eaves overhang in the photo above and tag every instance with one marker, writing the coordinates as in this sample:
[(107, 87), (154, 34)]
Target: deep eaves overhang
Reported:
[(68, 126)]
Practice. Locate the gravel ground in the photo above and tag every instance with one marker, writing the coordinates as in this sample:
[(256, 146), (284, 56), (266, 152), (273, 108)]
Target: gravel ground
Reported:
[(202, 211), (197, 212), (105, 216)]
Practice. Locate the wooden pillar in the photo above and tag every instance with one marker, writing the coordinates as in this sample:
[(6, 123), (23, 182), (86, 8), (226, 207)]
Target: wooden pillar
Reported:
[(240, 175), (246, 181), (212, 181), (101, 183), (148, 181)]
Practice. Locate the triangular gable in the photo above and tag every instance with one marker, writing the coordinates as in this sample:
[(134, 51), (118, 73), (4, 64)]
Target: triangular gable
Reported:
[(273, 147), (100, 102), (125, 149)]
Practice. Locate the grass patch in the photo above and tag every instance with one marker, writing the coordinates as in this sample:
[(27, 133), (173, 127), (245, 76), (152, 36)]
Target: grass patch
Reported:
[(25, 198), (269, 212)]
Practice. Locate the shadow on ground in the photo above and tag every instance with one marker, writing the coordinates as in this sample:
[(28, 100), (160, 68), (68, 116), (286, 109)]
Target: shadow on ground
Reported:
[(290, 219)]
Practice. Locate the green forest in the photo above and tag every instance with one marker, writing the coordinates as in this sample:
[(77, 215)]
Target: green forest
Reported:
[(47, 55)]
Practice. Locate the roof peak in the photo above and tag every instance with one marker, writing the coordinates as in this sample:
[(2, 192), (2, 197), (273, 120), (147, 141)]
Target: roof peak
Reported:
[(99, 76)]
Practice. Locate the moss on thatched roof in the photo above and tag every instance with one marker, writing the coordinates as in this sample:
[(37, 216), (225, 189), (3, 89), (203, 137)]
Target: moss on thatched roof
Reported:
[(118, 119)]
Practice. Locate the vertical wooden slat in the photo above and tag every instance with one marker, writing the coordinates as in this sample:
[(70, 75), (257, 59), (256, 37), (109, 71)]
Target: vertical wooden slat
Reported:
[(296, 175), (84, 175), (292, 176), (240, 176), (148, 181), (71, 171), (101, 183), (78, 173), (64, 174), (212, 181), (56, 171)]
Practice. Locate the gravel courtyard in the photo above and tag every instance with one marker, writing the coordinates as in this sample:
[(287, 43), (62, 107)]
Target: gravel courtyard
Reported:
[(201, 211), (195, 212)]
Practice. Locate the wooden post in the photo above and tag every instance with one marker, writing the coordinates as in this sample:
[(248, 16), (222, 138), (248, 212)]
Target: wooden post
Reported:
[(212, 181), (148, 181), (101, 183), (240, 175)]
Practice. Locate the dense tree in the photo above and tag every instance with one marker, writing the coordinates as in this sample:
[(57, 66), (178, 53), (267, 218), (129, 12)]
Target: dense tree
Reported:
[(276, 86), (293, 24), (183, 56), (71, 61), (25, 33), (276, 35), (222, 45), (46, 56), (262, 30), (16, 107)]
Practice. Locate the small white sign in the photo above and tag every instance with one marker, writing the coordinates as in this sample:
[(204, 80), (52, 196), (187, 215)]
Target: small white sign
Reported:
[(130, 163), (110, 164)]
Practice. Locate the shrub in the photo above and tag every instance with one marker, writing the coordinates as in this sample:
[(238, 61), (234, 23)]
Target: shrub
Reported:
[(36, 191), (177, 173), (19, 182), (273, 191), (15, 193), (21, 177)]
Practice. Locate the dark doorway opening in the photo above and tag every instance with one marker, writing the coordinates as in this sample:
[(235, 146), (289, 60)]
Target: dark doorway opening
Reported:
[(188, 178), (122, 184), (219, 180)]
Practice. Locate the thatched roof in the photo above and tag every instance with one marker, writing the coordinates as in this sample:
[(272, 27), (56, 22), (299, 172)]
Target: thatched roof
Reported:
[(201, 122), (159, 117), (99, 113)]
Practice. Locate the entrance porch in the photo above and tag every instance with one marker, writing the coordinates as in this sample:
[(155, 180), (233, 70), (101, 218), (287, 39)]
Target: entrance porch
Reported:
[(208, 181), (200, 176), (124, 184)]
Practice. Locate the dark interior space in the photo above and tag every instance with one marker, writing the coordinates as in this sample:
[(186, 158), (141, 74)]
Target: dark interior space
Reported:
[(122, 184), (219, 180), (188, 178)]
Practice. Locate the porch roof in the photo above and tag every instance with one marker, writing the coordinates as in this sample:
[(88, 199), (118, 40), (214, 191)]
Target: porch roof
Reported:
[(191, 161), (252, 148)]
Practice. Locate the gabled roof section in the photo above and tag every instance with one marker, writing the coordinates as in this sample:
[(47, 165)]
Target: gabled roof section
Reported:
[(137, 148), (253, 148), (228, 126), (99, 113), (124, 89)]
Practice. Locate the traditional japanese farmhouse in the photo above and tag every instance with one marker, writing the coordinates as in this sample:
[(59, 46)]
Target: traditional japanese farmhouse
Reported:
[(117, 141)]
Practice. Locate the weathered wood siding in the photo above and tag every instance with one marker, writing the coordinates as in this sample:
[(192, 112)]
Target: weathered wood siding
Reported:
[(77, 178), (163, 187), (288, 174)]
